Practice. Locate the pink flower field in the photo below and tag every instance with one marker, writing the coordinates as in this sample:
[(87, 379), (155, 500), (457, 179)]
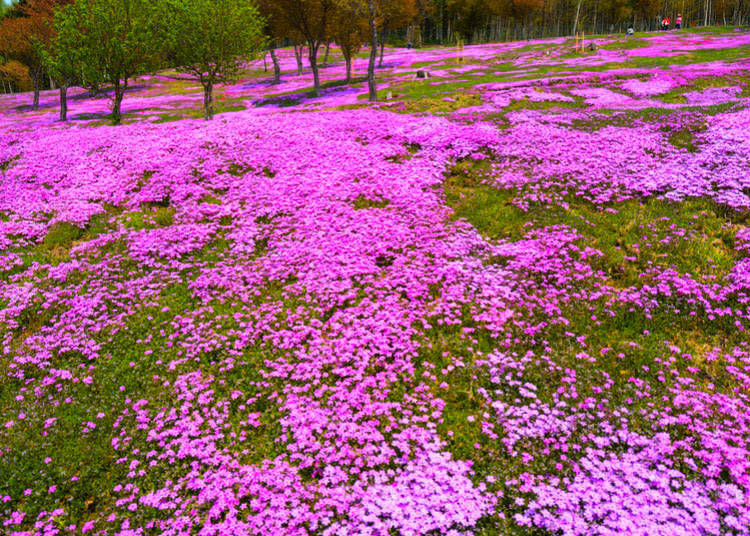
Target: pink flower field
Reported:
[(511, 299)]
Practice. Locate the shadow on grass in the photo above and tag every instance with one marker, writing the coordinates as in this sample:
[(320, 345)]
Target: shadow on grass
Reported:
[(293, 99)]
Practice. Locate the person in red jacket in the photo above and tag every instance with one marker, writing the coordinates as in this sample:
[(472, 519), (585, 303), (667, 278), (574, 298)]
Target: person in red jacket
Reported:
[(678, 22)]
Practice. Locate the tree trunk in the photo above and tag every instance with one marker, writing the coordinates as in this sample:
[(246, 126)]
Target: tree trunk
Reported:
[(441, 22), (348, 59), (36, 81), (64, 101), (325, 59), (596, 9), (705, 15), (382, 52), (276, 67), (578, 11), (117, 104), (372, 90), (313, 57), (298, 57), (208, 100)]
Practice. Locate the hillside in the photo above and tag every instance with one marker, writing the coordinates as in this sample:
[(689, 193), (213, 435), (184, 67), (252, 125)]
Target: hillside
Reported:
[(510, 298)]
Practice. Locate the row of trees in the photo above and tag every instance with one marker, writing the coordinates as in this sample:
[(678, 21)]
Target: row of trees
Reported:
[(101, 44), (503, 20), (106, 43), (349, 23)]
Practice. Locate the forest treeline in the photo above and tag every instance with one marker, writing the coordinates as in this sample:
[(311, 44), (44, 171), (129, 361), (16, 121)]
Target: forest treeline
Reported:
[(101, 44)]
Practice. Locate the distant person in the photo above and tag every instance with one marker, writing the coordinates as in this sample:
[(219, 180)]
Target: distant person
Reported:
[(678, 22), (408, 45), (665, 23), (631, 31)]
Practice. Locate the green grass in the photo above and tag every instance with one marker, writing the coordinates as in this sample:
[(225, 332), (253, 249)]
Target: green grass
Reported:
[(694, 237), (526, 104), (362, 203), (641, 41), (124, 373), (707, 251), (6, 164), (55, 247), (164, 216), (62, 235), (694, 56), (677, 95)]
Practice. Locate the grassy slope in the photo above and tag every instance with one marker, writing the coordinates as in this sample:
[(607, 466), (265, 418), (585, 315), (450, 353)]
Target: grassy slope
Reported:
[(616, 233)]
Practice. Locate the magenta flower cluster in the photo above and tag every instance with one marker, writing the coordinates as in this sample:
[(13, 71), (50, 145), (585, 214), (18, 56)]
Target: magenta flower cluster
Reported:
[(280, 312)]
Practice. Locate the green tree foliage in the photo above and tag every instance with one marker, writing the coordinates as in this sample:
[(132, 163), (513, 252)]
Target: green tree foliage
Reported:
[(275, 30), (349, 32), (113, 40), (211, 39), (393, 15), (9, 9), (364, 12), (499, 20), (62, 59), (312, 20)]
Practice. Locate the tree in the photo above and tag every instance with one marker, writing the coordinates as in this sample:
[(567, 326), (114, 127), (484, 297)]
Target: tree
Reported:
[(115, 40), (392, 15), (210, 39), (14, 76), (10, 9), (29, 24), (380, 15), (62, 60), (471, 14), (275, 30), (299, 50), (371, 19), (349, 32), (312, 20), (366, 10)]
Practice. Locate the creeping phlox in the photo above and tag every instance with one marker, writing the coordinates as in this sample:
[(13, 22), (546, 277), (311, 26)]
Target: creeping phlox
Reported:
[(273, 323)]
